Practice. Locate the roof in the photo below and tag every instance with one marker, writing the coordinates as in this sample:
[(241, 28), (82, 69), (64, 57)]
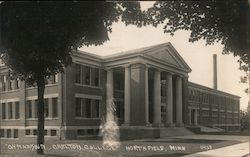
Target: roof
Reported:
[(164, 53), (201, 87)]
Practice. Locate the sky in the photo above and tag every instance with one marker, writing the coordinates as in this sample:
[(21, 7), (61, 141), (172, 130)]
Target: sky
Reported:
[(197, 55)]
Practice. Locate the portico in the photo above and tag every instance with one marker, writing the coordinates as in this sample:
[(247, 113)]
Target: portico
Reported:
[(143, 90)]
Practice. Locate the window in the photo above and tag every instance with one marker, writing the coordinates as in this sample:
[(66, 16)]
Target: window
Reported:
[(163, 109), (118, 109), (36, 110), (45, 132), (118, 81), (83, 132), (53, 132), (78, 107), (2, 83), (54, 78), (27, 132), (95, 108), (78, 74), (90, 131), (80, 132), (46, 81), (15, 133), (54, 107), (95, 77), (10, 110), (87, 108), (17, 84), (87, 75), (8, 133), (3, 111), (10, 84), (29, 109), (163, 89), (34, 132), (46, 108), (17, 113), (1, 133)]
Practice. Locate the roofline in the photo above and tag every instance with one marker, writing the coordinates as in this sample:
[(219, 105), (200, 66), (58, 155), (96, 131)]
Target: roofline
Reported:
[(80, 53), (136, 51), (211, 89), (168, 43)]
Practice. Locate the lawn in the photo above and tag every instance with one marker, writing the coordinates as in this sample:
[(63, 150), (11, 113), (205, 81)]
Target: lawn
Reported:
[(172, 147)]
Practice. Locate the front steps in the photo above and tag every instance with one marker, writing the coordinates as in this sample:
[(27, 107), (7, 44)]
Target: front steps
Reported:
[(174, 131), (129, 133), (210, 129)]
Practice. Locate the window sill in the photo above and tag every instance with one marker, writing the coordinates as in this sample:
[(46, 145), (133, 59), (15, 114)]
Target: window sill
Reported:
[(10, 91), (47, 85), (6, 138), (49, 118), (87, 118), (9, 119), (89, 86), (46, 136), (52, 118), (85, 136)]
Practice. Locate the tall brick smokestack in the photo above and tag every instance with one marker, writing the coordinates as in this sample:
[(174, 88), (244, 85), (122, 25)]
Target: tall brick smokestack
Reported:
[(215, 71)]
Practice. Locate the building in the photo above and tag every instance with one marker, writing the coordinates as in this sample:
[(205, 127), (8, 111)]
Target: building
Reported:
[(149, 86)]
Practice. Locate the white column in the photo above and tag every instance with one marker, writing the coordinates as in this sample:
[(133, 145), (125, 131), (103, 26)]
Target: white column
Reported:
[(157, 98), (109, 89), (146, 97), (179, 101), (127, 96), (169, 118), (195, 117)]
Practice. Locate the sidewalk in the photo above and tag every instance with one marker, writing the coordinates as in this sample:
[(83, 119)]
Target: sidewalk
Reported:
[(237, 150)]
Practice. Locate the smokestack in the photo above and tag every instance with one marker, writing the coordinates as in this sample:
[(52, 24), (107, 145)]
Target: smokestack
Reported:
[(215, 71)]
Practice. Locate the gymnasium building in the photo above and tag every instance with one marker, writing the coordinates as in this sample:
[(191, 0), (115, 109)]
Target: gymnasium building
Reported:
[(149, 86)]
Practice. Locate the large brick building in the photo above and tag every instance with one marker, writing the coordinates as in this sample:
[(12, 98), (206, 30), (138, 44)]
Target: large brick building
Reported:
[(150, 88)]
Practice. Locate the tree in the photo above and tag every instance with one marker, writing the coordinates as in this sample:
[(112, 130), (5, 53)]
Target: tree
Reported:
[(213, 21), (37, 38), (245, 118)]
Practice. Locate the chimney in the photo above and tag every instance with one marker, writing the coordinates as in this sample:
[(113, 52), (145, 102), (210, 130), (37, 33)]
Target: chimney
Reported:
[(215, 71)]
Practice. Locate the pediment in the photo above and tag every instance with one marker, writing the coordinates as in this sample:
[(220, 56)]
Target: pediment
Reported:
[(166, 53)]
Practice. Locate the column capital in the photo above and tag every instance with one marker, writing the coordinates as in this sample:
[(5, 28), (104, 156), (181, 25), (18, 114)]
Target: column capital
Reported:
[(180, 76), (108, 69), (147, 65), (169, 73), (126, 66), (158, 70)]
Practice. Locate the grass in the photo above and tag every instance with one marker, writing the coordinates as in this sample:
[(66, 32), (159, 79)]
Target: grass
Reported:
[(172, 147)]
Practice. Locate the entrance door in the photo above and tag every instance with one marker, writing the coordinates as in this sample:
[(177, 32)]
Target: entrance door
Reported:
[(119, 111)]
